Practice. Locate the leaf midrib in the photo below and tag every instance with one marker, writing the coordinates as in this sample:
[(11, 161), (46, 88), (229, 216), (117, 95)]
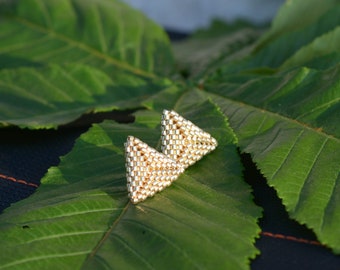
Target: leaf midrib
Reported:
[(90, 50), (108, 232)]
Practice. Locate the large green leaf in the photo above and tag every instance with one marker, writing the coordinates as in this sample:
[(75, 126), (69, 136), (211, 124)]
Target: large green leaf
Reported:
[(45, 44), (50, 96), (103, 33), (289, 124), (81, 216), (288, 120)]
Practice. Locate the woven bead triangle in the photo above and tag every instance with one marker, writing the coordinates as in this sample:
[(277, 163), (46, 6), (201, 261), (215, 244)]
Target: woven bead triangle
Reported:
[(183, 141), (147, 170)]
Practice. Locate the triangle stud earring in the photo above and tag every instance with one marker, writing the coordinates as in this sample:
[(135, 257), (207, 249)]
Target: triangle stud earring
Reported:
[(147, 170), (183, 141)]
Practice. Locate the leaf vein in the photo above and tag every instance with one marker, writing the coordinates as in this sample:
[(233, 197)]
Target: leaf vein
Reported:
[(28, 94), (320, 107), (154, 231), (330, 197), (309, 172), (197, 232), (39, 77), (99, 23), (287, 153), (84, 47), (284, 118), (61, 235), (133, 250), (61, 50), (37, 258)]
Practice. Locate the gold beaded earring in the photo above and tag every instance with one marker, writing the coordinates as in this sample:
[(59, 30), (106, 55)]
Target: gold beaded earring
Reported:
[(147, 170), (183, 141)]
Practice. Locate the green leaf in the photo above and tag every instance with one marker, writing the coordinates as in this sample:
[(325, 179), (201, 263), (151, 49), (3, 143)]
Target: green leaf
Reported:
[(54, 95), (106, 34), (294, 15), (81, 217), (305, 95), (274, 52), (289, 124), (327, 44), (288, 120), (211, 48), (286, 45)]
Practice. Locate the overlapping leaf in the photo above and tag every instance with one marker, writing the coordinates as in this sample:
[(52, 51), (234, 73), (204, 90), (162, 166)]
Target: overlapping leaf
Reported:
[(106, 34), (284, 43), (61, 59), (81, 215), (325, 46), (294, 15), (206, 50), (287, 44), (288, 122), (50, 96)]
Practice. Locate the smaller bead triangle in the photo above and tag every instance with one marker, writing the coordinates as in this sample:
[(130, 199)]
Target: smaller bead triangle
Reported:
[(183, 141), (147, 170)]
